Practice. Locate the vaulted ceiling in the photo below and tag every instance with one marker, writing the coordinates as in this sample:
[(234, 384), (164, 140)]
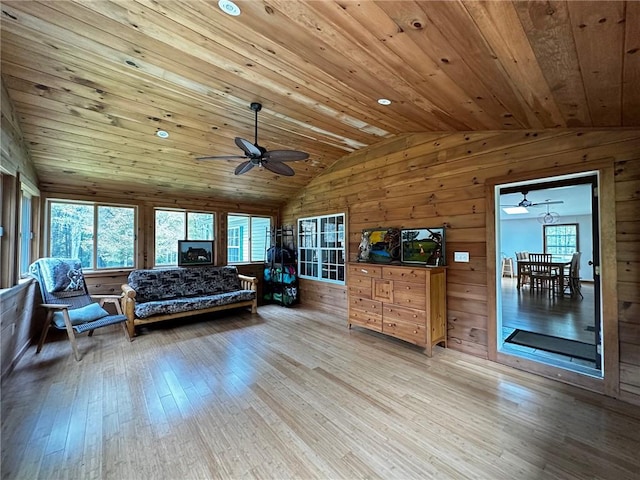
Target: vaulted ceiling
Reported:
[(92, 82)]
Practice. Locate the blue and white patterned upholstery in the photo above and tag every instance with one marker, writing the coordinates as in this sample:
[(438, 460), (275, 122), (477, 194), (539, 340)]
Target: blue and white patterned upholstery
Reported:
[(178, 290)]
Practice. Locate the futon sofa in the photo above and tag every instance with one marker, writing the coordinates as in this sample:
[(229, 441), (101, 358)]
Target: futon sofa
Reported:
[(161, 294)]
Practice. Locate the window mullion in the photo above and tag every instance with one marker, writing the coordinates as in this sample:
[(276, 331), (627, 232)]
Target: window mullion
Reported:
[(95, 235)]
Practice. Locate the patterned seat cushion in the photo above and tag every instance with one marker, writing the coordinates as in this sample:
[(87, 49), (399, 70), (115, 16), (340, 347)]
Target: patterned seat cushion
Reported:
[(177, 305)]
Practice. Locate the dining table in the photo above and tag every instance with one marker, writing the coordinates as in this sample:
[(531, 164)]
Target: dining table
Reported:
[(558, 264)]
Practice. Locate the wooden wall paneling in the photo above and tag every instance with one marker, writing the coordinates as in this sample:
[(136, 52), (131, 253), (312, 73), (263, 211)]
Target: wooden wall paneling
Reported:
[(328, 297), (631, 65), (448, 171), (609, 280), (15, 156), (19, 322)]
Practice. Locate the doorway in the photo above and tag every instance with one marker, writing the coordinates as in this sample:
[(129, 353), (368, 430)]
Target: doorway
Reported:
[(548, 285)]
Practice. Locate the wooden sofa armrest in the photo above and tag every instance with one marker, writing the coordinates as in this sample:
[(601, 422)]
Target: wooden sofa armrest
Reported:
[(248, 283), (128, 304)]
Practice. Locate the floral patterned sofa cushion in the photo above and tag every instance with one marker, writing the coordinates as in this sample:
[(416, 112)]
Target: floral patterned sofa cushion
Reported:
[(177, 290)]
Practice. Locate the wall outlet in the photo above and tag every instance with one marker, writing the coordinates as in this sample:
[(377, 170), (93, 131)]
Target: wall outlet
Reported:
[(460, 256)]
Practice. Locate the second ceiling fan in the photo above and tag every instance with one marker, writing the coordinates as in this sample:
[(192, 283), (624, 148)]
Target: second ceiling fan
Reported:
[(528, 203), (256, 155)]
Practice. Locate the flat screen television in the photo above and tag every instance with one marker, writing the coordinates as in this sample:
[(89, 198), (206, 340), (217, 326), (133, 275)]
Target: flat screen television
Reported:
[(424, 246)]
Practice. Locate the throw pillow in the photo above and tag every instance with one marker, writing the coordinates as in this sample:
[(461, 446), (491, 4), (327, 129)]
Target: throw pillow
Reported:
[(85, 314)]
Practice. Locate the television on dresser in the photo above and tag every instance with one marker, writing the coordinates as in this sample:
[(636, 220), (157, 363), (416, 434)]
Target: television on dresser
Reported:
[(424, 246)]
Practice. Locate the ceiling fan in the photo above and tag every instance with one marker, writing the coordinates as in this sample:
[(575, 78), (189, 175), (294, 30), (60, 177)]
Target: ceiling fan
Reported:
[(528, 203), (256, 155)]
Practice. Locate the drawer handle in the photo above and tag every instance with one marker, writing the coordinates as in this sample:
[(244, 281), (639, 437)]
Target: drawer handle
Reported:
[(391, 324)]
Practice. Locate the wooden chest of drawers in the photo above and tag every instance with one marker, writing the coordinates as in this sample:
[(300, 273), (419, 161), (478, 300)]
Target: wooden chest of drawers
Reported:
[(404, 302)]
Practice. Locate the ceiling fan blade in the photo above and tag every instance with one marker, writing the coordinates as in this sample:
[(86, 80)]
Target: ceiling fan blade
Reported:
[(244, 167), (279, 168), (249, 148), (221, 157), (542, 204), (286, 155)]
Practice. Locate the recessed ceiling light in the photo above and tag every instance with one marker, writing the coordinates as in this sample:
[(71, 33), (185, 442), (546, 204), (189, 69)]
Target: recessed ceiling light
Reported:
[(384, 101), (228, 7), (162, 134)]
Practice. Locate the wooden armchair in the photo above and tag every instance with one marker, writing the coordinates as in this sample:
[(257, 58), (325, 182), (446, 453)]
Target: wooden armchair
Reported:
[(68, 303)]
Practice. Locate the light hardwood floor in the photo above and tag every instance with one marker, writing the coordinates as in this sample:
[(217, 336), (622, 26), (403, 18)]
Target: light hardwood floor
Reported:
[(293, 393)]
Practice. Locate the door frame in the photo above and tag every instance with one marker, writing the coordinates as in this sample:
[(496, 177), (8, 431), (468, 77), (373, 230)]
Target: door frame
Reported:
[(609, 384)]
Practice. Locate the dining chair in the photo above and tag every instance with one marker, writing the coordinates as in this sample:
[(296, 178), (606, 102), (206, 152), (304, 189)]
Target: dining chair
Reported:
[(543, 274), (524, 270), (68, 303), (540, 257), (572, 278)]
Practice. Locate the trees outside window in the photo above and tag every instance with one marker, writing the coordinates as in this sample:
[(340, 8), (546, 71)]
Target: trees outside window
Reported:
[(174, 225), (100, 236)]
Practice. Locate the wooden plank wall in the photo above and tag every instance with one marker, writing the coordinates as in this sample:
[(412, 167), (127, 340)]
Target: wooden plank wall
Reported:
[(18, 323), (435, 179), (16, 301)]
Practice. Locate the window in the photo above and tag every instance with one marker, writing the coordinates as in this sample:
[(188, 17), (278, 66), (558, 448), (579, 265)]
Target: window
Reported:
[(561, 240), (321, 248), (233, 245), (26, 234), (100, 236), (247, 238), (175, 225)]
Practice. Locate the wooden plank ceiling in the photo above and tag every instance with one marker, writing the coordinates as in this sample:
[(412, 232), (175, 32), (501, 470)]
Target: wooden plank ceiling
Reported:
[(91, 82)]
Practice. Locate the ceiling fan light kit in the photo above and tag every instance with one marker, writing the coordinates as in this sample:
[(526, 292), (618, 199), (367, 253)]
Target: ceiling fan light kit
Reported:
[(256, 155)]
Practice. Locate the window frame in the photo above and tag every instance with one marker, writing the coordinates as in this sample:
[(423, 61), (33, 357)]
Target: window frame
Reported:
[(237, 248), (250, 241), (185, 233), (94, 250), (25, 258), (318, 251), (555, 225)]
